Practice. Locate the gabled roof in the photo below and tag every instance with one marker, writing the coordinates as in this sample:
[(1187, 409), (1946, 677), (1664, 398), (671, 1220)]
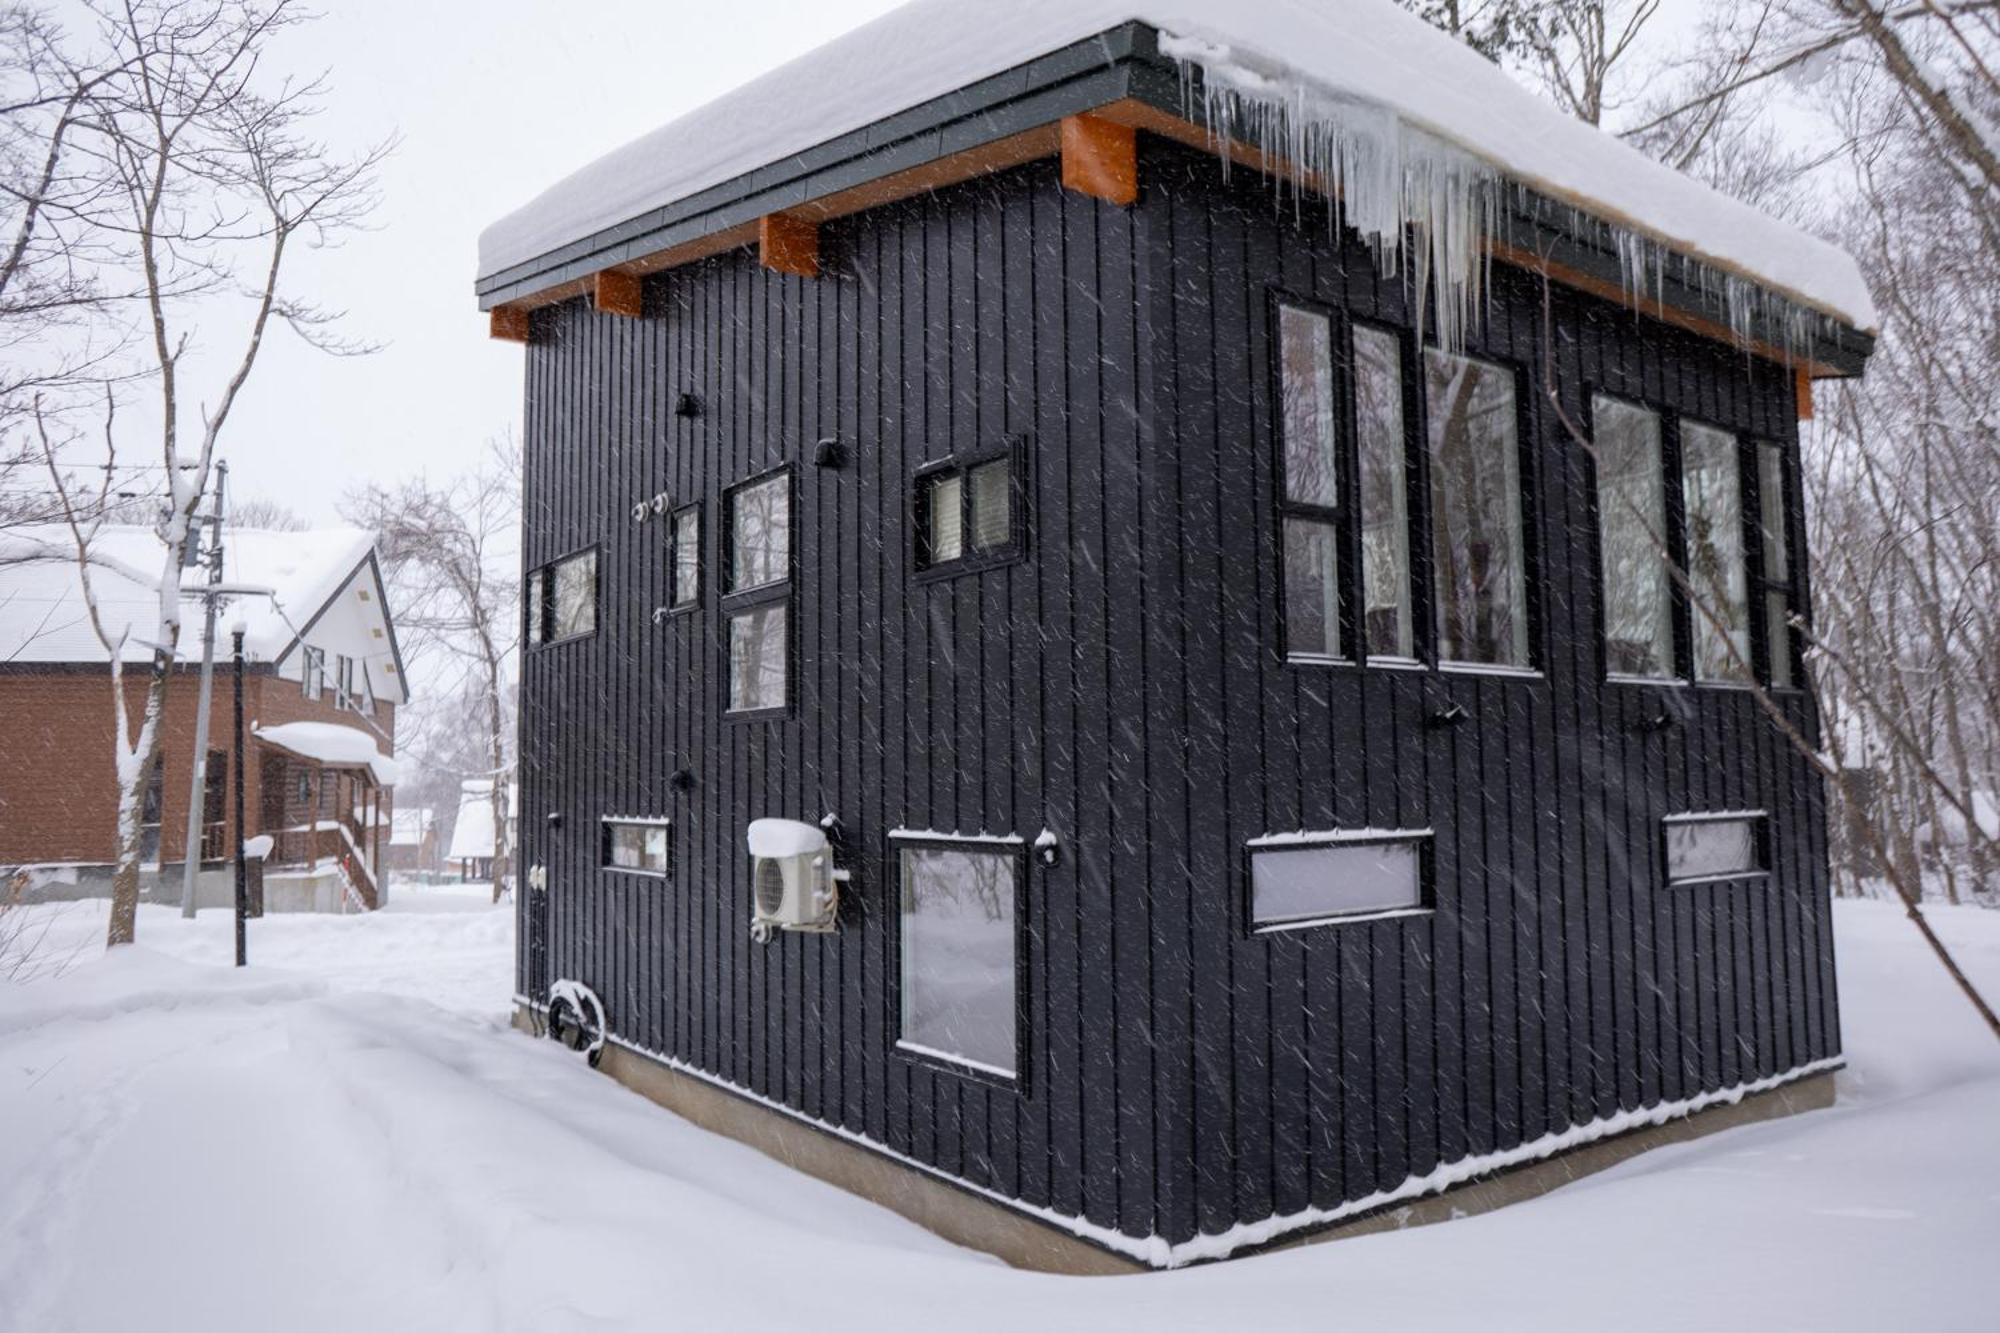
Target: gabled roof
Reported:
[(44, 618), (936, 68)]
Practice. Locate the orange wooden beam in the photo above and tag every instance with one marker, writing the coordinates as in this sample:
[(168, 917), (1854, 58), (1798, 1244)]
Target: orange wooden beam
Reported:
[(617, 293), (1804, 393), (1100, 158), (508, 322), (788, 244)]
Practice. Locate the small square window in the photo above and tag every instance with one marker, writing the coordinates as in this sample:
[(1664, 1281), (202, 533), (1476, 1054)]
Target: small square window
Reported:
[(637, 845), (758, 658), (1706, 847), (966, 514), (1305, 881)]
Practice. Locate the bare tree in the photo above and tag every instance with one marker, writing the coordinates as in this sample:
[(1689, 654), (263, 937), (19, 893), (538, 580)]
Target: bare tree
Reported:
[(451, 557), (260, 513), (213, 179)]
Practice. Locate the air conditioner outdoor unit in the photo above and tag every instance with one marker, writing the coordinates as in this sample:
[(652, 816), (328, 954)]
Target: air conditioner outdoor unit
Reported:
[(792, 879)]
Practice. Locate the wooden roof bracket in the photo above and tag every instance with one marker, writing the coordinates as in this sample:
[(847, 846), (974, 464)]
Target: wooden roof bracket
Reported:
[(1100, 158), (788, 243), (508, 323), (616, 293)]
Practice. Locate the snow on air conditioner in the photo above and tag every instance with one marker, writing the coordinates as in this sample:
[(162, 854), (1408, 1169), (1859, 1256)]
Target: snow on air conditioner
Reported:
[(793, 882)]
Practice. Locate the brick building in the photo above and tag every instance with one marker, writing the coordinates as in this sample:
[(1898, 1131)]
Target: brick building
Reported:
[(323, 680)]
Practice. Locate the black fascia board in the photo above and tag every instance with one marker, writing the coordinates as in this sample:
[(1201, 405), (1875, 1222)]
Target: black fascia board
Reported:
[(1123, 63)]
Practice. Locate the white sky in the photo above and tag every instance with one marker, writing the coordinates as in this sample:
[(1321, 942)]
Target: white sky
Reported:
[(493, 101)]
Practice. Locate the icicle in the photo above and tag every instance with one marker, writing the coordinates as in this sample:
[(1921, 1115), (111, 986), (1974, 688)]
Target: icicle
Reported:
[(1393, 179)]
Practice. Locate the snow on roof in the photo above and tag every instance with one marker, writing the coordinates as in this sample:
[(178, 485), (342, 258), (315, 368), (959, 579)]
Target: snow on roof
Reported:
[(43, 616), (333, 744), (1366, 55), (472, 834)]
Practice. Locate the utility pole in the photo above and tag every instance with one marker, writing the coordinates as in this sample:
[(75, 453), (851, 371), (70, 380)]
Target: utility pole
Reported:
[(242, 871), (198, 791)]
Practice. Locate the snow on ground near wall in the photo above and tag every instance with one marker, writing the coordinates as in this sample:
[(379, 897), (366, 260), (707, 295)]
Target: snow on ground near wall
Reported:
[(347, 1136)]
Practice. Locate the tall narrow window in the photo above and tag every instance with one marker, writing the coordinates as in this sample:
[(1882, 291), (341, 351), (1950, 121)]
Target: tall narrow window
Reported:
[(1712, 482), (759, 524), (1475, 463), (1778, 598), (687, 556), (1632, 535), (575, 596), (947, 518), (1385, 511), (312, 672), (1311, 512), (959, 1000)]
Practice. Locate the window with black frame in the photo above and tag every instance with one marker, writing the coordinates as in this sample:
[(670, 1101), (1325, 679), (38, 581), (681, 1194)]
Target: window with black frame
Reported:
[(1310, 511), (757, 592), (561, 599), (1633, 542), (1478, 555), (966, 513), (1320, 528), (957, 932), (1780, 598), (686, 557), (1717, 571)]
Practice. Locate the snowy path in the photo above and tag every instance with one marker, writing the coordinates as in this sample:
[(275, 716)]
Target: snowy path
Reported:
[(348, 1137)]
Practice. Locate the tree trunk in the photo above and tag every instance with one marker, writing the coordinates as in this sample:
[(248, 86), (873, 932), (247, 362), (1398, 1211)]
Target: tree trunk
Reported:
[(496, 748), (134, 771)]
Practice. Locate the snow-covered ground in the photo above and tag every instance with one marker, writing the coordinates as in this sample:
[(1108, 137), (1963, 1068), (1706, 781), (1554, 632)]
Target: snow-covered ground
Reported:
[(347, 1136)]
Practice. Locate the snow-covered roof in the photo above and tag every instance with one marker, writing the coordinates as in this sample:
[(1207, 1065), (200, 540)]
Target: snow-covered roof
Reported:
[(332, 744), (43, 616), (472, 833), (1367, 55)]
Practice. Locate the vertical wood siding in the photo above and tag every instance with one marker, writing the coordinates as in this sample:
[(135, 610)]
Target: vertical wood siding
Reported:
[(1121, 686)]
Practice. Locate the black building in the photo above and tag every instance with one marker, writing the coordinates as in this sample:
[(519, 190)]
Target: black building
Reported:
[(1271, 766)]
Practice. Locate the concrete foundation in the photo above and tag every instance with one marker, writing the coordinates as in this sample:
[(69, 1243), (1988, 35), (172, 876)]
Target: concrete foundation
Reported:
[(1025, 1241)]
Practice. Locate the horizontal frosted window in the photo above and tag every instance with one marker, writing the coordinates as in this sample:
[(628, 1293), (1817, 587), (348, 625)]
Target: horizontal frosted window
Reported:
[(1632, 526), (635, 846), (757, 659), (1712, 479), (958, 973), (1475, 458), (1291, 885), (1699, 849)]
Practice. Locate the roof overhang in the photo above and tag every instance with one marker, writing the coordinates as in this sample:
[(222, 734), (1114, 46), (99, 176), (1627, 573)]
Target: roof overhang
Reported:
[(1014, 117)]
